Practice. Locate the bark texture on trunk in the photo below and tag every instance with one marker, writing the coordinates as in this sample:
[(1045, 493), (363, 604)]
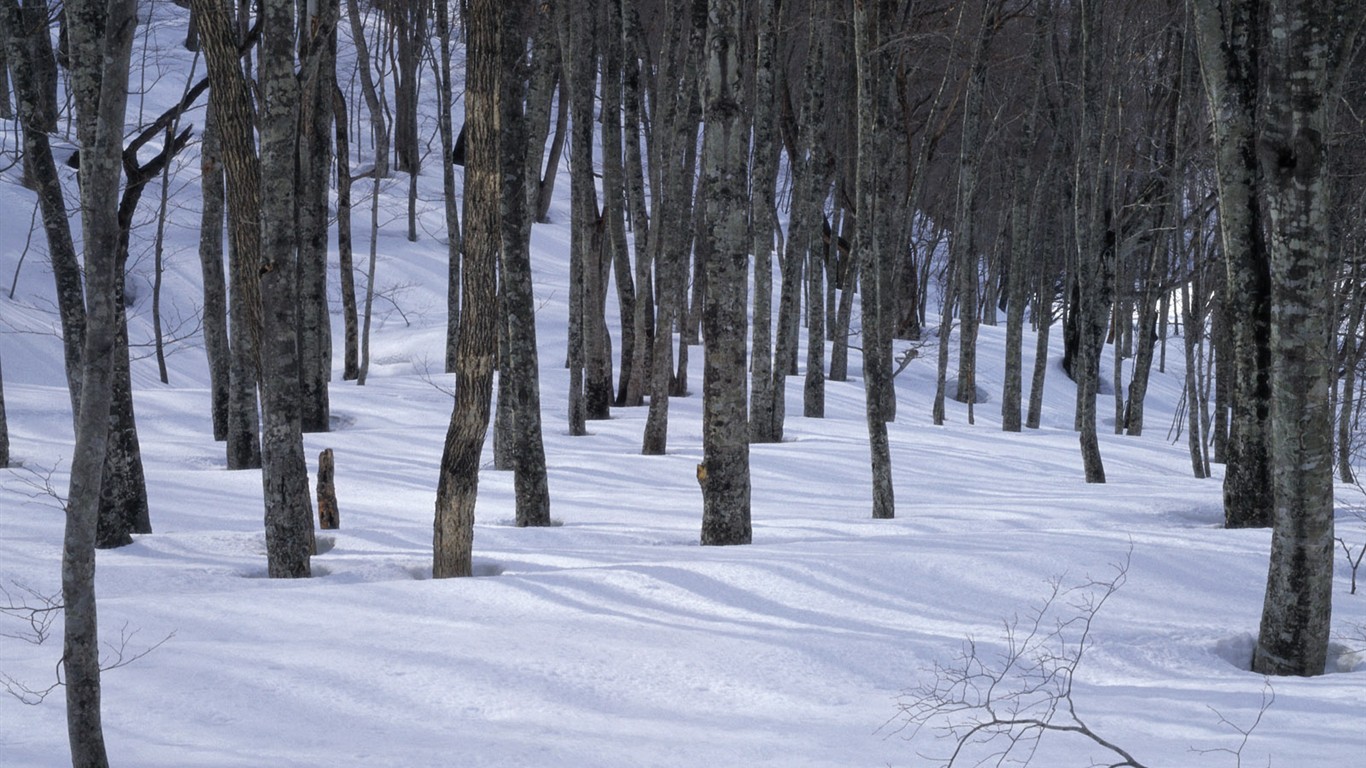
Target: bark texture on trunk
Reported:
[(228, 92), (521, 365), (216, 346), (284, 470), (873, 190), (317, 80), (725, 441), (1308, 44), (458, 483), (763, 217), (101, 42)]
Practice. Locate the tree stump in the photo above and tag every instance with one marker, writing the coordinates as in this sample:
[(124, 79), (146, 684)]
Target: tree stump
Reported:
[(328, 517)]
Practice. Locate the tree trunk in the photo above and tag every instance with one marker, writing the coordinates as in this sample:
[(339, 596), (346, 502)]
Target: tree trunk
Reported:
[(345, 253), (520, 366), (216, 345), (4, 423), (378, 124), (458, 483), (329, 518), (725, 465), (763, 215), (643, 305), (1230, 43), (1309, 45), (872, 191), (409, 20), (445, 101), (317, 81), (232, 109), (1095, 236), (673, 152), (284, 470), (614, 190), (101, 42)]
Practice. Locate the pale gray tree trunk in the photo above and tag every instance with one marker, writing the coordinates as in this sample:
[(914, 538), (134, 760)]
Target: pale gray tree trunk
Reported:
[(101, 42), (520, 366), (317, 81), (1229, 37), (458, 482), (872, 191), (216, 346), (724, 472), (1308, 45), (284, 471)]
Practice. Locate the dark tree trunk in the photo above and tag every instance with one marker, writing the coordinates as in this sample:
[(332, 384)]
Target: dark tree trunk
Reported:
[(232, 109), (643, 305), (763, 217), (409, 20), (458, 482), (345, 252), (317, 82), (724, 473), (1309, 45), (673, 151), (445, 101), (216, 346), (873, 191), (616, 247), (1230, 44), (520, 366), (284, 471), (4, 423)]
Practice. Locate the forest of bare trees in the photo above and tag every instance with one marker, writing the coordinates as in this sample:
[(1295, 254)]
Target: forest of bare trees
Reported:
[(872, 173)]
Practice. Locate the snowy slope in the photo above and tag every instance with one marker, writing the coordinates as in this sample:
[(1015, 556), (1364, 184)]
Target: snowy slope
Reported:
[(613, 639)]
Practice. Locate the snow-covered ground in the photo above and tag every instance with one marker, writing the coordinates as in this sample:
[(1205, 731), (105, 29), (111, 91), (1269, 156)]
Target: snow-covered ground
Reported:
[(613, 639)]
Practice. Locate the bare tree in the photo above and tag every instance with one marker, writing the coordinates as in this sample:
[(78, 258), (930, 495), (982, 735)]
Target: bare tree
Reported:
[(519, 376), (458, 482), (763, 214), (873, 189), (724, 472), (1229, 36), (284, 470), (101, 37), (1309, 47), (215, 289), (317, 81)]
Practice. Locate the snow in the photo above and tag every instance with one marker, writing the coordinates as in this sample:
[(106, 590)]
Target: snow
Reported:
[(613, 639)]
